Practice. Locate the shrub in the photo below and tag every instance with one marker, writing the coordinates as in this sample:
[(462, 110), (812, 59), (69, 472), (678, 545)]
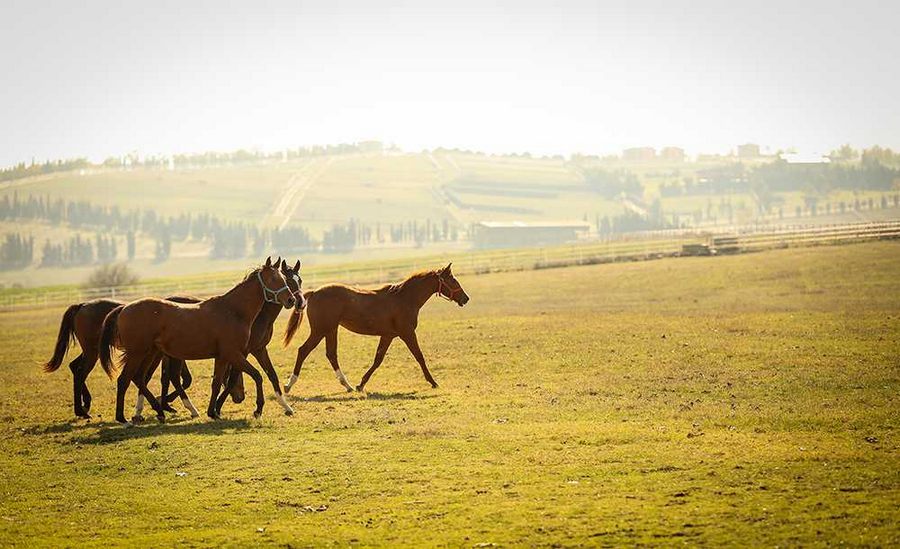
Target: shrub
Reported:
[(111, 274)]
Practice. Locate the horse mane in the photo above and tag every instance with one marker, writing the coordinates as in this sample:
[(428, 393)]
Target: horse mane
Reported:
[(399, 287), (247, 276)]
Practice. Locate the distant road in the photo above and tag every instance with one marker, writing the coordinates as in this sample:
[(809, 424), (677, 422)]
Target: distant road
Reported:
[(295, 191), (437, 188)]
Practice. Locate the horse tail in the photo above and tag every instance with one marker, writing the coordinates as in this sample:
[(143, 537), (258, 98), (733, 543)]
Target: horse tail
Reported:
[(63, 340), (293, 323), (108, 340)]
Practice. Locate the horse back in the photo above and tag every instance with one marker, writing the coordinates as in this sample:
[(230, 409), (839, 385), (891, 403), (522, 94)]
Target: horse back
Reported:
[(89, 321)]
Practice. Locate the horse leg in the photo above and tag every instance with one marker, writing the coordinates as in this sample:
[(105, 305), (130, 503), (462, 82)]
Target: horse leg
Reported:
[(164, 377), (413, 344), (186, 378), (383, 345), (231, 379), (121, 387), (177, 365), (129, 369), (144, 374), (179, 391), (311, 342), (218, 375), (147, 369), (331, 353), (262, 356), (240, 362), (75, 368), (88, 361), (154, 403)]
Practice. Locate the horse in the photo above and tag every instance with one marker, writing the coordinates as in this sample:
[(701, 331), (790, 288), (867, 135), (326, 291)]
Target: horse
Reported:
[(260, 336), (82, 322), (389, 312), (217, 328)]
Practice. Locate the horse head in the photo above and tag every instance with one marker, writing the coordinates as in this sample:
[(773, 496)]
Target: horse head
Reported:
[(295, 283), (449, 288), (275, 287)]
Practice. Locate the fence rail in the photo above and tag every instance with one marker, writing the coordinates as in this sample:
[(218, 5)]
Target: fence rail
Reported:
[(645, 246)]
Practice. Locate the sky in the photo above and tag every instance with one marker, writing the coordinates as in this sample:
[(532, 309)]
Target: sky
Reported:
[(100, 79)]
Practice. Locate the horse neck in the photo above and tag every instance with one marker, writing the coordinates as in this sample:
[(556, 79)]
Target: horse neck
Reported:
[(246, 299), (421, 290), (269, 312)]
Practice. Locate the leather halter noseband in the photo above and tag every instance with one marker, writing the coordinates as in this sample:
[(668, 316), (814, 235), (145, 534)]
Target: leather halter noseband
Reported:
[(268, 291), (453, 291)]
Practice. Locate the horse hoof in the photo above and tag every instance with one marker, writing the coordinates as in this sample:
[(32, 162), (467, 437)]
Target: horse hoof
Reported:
[(137, 419), (195, 416), (360, 389), (288, 412), (434, 385), (161, 419), (257, 415), (349, 389)]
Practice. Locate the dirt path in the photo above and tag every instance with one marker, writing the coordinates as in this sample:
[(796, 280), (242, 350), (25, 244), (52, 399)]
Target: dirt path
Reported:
[(294, 192), (442, 176)]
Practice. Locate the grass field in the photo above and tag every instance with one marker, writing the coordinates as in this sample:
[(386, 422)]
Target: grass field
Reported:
[(234, 193), (748, 400)]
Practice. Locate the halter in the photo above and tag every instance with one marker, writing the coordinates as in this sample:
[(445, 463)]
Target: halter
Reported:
[(268, 291), (298, 295), (453, 291)]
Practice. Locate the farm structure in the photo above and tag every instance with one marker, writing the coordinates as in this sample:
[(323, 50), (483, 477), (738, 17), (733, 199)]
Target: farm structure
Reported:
[(502, 234)]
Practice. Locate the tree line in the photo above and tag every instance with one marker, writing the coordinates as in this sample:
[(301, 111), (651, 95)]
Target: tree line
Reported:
[(228, 239), (206, 159)]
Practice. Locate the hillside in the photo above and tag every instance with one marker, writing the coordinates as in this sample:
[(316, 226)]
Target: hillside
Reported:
[(335, 207)]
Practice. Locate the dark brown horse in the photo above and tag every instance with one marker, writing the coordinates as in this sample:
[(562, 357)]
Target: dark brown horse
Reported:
[(82, 322), (389, 312), (218, 328), (260, 336)]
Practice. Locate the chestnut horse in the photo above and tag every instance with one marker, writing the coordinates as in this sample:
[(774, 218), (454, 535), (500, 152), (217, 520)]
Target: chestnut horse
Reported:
[(82, 322), (389, 312), (218, 328), (260, 336)]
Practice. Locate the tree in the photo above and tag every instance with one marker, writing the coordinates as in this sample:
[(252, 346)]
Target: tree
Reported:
[(130, 243), (113, 274)]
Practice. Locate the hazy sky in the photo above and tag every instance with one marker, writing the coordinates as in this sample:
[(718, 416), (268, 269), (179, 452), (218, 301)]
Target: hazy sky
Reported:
[(105, 78)]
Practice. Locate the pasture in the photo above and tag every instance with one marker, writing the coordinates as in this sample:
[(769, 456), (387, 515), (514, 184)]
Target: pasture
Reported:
[(749, 399)]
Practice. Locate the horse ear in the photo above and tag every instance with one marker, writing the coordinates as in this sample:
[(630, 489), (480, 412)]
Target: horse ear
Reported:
[(447, 268), (269, 261), (278, 261), (297, 267)]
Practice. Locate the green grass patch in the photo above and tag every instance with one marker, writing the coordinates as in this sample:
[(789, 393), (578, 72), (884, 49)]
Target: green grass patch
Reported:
[(746, 400)]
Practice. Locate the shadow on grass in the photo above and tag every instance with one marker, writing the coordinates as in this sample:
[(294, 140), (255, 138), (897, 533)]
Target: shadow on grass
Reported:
[(113, 432), (351, 397), (70, 426)]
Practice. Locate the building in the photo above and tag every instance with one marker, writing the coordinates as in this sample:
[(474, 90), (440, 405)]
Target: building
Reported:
[(639, 154), (801, 158), (370, 146), (672, 154), (517, 234), (748, 150)]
